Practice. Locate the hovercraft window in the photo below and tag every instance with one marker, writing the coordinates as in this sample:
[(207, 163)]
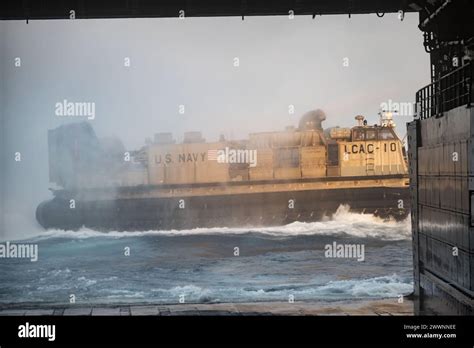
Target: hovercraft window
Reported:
[(371, 135), (386, 134), (359, 134)]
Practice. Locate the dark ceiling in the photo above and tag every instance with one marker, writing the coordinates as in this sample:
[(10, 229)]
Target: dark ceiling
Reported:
[(60, 9)]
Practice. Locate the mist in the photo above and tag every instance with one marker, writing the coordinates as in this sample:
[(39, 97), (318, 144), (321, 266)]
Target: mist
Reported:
[(191, 63)]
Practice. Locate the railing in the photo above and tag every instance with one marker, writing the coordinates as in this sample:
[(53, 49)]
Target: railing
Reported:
[(450, 91)]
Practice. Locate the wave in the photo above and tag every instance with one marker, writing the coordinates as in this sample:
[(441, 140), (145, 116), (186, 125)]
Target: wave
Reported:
[(381, 287), (391, 286), (343, 221)]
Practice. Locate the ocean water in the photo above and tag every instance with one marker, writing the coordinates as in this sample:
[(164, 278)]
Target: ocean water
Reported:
[(201, 265)]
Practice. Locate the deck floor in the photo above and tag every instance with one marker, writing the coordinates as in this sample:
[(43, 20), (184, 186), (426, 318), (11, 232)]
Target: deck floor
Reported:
[(362, 307)]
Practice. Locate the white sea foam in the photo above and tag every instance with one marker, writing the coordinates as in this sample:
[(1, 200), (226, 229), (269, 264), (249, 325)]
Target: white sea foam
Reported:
[(86, 282), (342, 222), (123, 295), (380, 287), (391, 286), (59, 272)]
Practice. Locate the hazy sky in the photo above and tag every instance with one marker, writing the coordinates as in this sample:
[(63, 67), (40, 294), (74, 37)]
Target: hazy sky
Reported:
[(191, 62)]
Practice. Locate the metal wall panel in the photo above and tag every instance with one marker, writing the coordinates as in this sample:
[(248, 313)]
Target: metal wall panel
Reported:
[(445, 241)]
